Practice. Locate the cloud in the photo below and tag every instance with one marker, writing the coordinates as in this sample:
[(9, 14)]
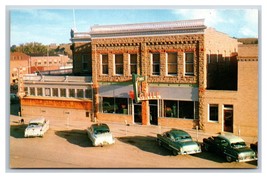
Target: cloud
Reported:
[(211, 16)]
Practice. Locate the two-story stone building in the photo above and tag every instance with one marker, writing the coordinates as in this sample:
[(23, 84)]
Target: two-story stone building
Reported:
[(184, 62)]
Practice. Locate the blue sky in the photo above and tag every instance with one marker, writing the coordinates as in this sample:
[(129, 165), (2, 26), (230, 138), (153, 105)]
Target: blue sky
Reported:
[(53, 25)]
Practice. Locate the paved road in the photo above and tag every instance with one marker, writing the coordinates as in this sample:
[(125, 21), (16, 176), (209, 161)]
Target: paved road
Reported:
[(135, 147)]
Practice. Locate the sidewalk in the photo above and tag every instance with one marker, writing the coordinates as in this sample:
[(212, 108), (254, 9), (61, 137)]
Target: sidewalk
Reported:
[(121, 130)]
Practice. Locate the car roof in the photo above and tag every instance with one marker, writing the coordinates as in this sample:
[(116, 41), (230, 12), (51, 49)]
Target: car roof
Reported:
[(178, 132), (38, 120), (231, 138)]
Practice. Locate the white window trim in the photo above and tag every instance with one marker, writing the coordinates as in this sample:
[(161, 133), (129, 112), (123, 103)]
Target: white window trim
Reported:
[(167, 65), (187, 73), (209, 113)]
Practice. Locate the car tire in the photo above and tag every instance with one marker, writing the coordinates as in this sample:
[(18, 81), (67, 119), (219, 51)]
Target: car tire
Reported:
[(174, 152), (229, 158)]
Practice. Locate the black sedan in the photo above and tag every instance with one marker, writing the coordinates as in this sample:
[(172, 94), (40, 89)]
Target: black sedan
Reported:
[(232, 147), (179, 142)]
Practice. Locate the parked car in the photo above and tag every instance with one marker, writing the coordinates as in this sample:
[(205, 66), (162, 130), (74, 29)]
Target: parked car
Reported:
[(36, 128), (254, 147), (232, 147), (14, 98), (109, 108), (100, 134), (179, 142)]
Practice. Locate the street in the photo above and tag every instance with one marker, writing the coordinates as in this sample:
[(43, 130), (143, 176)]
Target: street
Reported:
[(135, 147)]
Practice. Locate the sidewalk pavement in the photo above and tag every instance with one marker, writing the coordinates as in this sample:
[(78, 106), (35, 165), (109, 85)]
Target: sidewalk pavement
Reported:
[(123, 130)]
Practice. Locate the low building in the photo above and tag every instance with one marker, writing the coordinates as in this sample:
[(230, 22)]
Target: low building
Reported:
[(57, 98)]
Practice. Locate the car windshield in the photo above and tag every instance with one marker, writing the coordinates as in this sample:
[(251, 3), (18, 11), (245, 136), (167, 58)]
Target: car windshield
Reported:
[(101, 131), (35, 124), (238, 145)]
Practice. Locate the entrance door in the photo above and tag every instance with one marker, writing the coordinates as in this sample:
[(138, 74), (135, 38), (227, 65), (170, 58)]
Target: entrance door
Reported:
[(153, 107), (228, 118), (137, 113)]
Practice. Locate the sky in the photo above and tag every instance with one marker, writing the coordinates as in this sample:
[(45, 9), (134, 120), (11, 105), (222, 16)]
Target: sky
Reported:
[(53, 25)]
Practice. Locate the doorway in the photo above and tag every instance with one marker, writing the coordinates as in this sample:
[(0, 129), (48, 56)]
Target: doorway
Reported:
[(228, 116), (137, 113), (153, 109)]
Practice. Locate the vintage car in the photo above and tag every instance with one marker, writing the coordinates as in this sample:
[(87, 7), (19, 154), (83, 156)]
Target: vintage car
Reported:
[(36, 128), (179, 142), (232, 147), (100, 134)]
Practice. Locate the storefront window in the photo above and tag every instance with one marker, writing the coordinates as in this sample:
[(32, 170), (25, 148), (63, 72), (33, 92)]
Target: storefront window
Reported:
[(88, 93), (186, 109), (170, 108), (115, 105)]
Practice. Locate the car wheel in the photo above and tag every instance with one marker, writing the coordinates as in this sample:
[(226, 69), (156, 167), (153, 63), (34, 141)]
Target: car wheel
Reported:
[(229, 158), (174, 152)]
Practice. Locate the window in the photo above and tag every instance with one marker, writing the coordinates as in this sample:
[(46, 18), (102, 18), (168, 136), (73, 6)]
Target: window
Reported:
[(189, 63), (104, 62), (156, 64), (55, 92), (115, 105), (186, 109), (133, 63), (39, 91), (170, 108), (85, 61), (172, 63), (72, 93), (88, 93), (118, 64), (32, 91), (47, 92), (63, 92), (79, 93), (213, 112)]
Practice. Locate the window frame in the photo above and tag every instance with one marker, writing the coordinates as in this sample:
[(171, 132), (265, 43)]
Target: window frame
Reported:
[(131, 64), (118, 65), (188, 63), (209, 112), (172, 63), (154, 64), (104, 64)]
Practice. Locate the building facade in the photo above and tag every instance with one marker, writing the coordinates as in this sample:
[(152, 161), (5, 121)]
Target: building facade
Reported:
[(192, 77), (195, 70), (57, 98)]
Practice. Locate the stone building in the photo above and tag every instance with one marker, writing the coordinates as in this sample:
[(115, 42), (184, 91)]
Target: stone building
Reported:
[(196, 71), (191, 76)]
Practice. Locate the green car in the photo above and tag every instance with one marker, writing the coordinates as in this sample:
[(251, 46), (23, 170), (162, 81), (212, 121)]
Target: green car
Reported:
[(179, 142), (232, 147)]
